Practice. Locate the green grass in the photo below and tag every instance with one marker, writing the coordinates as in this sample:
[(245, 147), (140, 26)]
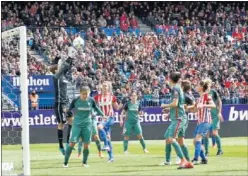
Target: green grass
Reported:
[(46, 160)]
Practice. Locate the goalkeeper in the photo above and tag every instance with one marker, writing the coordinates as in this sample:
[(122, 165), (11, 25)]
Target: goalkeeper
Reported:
[(60, 80)]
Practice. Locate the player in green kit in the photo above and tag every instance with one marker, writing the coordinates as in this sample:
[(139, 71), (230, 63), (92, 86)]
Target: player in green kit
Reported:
[(178, 120), (189, 104), (216, 119), (132, 110), (95, 137), (82, 123)]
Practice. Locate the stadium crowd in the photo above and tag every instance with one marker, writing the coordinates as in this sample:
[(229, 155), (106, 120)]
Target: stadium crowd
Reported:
[(199, 46)]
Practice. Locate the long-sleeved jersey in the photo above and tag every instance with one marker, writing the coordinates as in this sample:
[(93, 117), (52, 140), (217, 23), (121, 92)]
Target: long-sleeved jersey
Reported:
[(60, 82)]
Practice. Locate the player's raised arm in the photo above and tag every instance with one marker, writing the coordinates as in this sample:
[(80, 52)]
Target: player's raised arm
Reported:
[(66, 65)]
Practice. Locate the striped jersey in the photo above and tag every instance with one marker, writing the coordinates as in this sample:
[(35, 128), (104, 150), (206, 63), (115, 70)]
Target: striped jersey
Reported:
[(105, 102), (204, 114)]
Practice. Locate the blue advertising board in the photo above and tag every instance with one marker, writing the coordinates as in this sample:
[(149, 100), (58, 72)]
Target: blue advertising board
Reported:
[(39, 83), (152, 115)]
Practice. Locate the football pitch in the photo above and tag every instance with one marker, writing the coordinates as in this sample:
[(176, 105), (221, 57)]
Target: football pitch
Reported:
[(47, 160)]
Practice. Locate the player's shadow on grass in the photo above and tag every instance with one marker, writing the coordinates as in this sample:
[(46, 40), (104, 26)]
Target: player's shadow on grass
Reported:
[(142, 165), (233, 170), (120, 171), (57, 166)]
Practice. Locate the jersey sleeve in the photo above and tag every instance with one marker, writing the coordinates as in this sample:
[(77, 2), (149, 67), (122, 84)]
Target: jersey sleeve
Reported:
[(72, 106), (95, 98), (114, 99), (125, 107), (189, 100), (215, 95), (139, 107), (175, 94), (96, 108), (66, 65), (207, 98)]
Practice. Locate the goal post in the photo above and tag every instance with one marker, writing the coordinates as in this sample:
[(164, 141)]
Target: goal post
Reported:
[(24, 100), (24, 105)]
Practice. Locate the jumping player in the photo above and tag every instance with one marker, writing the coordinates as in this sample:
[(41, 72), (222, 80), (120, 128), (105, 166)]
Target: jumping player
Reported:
[(216, 119), (178, 121), (82, 123), (61, 100), (133, 110), (106, 101), (203, 107)]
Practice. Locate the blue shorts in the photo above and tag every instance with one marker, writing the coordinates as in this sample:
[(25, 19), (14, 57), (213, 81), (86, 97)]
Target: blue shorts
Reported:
[(202, 129), (107, 125)]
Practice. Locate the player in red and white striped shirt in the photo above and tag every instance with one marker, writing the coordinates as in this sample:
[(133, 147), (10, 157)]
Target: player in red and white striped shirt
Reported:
[(107, 102), (203, 107), (204, 114)]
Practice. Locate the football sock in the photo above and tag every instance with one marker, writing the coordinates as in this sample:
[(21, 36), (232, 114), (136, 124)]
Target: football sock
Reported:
[(197, 150), (218, 142), (206, 144), (80, 144), (68, 133), (143, 144), (168, 152), (60, 138), (202, 155), (68, 153), (185, 152), (213, 140), (98, 145), (103, 136), (110, 152), (178, 149), (85, 155), (125, 145)]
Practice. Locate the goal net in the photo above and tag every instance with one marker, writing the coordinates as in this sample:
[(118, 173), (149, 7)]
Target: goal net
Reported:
[(14, 103)]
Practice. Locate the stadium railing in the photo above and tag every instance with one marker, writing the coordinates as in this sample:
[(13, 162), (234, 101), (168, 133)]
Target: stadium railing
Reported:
[(146, 101), (48, 103)]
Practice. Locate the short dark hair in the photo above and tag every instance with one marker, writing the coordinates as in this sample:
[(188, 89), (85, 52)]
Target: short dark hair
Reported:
[(134, 92), (186, 85), (175, 76)]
